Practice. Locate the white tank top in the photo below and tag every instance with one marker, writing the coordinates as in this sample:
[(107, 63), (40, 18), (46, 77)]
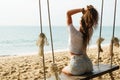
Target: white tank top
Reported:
[(75, 40)]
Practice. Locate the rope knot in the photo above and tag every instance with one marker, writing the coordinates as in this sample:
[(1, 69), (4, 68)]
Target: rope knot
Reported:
[(41, 42), (99, 41), (116, 42), (54, 67), (54, 70)]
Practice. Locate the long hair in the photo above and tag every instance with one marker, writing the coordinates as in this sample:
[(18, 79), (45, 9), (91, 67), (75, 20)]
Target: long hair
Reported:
[(89, 22)]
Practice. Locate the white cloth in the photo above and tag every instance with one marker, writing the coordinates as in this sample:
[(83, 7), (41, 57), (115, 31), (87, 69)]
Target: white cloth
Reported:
[(75, 40), (79, 65)]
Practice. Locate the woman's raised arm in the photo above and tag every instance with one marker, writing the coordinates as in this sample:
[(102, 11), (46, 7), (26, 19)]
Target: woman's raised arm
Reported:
[(72, 12)]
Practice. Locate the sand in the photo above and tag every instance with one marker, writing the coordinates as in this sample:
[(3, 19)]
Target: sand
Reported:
[(29, 67)]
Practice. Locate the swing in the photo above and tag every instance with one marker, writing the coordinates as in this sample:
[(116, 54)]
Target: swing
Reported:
[(98, 70)]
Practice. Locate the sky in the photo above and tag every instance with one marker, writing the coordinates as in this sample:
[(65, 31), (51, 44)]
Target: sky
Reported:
[(26, 12)]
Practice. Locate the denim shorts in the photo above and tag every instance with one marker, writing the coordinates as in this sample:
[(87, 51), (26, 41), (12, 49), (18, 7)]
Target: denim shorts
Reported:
[(79, 65)]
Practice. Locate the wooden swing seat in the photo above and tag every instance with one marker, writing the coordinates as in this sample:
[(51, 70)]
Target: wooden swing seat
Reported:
[(98, 71)]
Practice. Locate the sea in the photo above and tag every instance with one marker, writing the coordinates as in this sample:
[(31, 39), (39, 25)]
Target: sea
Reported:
[(21, 40)]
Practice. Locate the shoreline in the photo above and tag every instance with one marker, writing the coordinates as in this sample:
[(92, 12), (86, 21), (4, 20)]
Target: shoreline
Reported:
[(46, 52)]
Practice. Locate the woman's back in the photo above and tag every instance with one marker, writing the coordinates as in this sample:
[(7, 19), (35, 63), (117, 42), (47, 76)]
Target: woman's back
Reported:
[(75, 40)]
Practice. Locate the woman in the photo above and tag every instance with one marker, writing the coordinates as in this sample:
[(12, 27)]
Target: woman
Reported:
[(79, 39)]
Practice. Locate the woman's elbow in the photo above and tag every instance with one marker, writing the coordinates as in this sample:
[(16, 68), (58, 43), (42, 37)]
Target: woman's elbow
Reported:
[(68, 13)]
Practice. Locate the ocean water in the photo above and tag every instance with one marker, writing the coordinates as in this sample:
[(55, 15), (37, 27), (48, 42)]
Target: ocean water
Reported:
[(21, 40)]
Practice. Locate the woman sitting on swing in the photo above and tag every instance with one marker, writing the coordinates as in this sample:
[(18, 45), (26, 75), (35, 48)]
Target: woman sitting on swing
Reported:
[(79, 39)]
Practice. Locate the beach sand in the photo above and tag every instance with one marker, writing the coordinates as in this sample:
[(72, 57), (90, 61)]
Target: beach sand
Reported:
[(30, 67)]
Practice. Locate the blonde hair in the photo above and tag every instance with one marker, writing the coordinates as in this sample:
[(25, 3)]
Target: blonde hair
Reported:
[(89, 22)]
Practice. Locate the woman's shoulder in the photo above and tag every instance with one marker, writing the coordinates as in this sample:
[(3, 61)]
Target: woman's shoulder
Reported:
[(73, 30)]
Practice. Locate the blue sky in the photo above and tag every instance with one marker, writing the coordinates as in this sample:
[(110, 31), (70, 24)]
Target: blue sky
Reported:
[(26, 12)]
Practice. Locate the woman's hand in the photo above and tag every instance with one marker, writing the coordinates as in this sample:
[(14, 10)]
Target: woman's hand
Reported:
[(83, 11)]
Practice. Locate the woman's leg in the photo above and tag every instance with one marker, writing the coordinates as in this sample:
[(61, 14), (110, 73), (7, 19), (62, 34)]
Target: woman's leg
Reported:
[(66, 70)]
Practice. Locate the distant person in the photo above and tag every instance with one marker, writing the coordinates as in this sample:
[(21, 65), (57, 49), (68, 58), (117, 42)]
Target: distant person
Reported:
[(79, 39)]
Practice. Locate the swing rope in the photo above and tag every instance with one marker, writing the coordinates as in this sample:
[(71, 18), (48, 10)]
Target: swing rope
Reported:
[(50, 31), (54, 67), (114, 40), (40, 16), (42, 40), (100, 39)]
